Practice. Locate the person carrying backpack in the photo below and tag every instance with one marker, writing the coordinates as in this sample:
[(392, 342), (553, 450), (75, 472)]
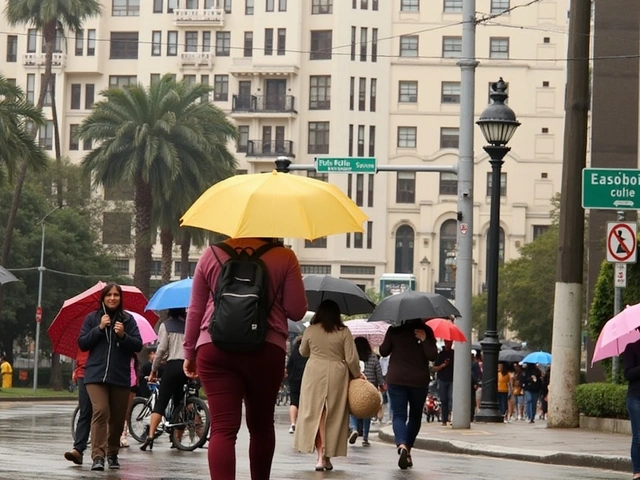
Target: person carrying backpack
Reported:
[(235, 341)]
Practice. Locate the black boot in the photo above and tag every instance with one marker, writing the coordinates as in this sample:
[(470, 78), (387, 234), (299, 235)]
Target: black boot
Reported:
[(148, 442)]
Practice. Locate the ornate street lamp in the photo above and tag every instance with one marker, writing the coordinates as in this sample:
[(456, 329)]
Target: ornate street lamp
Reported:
[(498, 124)]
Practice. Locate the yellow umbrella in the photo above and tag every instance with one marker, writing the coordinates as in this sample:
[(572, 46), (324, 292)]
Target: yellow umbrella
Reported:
[(274, 205)]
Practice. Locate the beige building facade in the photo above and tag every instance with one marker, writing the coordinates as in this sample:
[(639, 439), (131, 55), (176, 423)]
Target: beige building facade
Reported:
[(308, 78)]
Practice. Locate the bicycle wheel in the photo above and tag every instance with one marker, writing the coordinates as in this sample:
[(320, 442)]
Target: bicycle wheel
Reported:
[(190, 424), (139, 418), (74, 422)]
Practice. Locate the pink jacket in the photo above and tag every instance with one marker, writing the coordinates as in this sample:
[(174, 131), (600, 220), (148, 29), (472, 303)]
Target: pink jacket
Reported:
[(285, 278)]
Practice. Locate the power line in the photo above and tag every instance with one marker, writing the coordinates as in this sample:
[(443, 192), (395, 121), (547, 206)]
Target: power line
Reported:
[(59, 272)]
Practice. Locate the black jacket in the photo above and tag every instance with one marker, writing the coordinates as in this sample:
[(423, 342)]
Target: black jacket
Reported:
[(109, 356)]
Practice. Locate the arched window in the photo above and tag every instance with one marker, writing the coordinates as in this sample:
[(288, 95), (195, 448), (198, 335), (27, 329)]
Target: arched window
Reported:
[(448, 234), (405, 237)]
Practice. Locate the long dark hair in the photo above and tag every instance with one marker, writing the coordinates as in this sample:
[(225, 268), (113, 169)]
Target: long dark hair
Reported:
[(119, 310), (178, 313), (364, 348), (328, 315)]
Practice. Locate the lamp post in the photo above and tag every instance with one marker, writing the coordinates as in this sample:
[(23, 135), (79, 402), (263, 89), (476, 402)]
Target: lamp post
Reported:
[(450, 264), (498, 124), (41, 270)]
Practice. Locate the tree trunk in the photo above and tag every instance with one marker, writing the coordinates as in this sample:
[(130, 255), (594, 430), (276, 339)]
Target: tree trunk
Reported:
[(166, 240), (55, 379), (143, 207), (22, 173), (185, 246), (56, 144)]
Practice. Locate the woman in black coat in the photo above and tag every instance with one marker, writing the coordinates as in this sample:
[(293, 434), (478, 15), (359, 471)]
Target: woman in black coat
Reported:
[(295, 369)]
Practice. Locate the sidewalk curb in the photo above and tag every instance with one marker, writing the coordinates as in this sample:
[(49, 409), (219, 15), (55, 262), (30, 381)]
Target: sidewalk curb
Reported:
[(584, 460)]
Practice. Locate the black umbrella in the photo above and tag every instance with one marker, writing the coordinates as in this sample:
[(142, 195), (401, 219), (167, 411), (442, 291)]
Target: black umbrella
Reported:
[(510, 356), (349, 297), (409, 305)]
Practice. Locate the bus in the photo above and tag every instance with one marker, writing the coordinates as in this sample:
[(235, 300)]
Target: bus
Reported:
[(394, 283)]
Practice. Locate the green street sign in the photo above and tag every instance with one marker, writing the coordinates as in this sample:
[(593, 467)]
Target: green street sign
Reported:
[(611, 188), (346, 165)]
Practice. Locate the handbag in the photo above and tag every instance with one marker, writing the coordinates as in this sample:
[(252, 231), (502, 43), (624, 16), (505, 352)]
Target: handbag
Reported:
[(363, 398)]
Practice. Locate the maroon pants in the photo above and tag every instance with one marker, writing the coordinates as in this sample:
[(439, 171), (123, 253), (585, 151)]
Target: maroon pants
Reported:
[(228, 379)]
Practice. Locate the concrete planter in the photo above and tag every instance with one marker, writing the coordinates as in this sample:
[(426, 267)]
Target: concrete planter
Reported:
[(608, 425)]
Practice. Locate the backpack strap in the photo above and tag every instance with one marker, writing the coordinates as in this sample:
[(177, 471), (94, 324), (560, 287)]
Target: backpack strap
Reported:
[(262, 249), (226, 248)]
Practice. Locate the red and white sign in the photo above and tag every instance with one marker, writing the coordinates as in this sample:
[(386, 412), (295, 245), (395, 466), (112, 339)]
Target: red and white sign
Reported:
[(622, 242), (464, 228), (39, 314), (620, 277)]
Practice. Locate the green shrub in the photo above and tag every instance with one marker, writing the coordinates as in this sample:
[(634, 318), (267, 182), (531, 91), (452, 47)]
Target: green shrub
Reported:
[(605, 400)]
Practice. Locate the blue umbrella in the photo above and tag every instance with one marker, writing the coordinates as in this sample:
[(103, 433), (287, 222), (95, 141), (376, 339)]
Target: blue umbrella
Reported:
[(543, 358), (171, 295)]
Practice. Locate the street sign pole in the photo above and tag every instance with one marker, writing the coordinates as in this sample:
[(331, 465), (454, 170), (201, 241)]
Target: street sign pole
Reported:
[(617, 301)]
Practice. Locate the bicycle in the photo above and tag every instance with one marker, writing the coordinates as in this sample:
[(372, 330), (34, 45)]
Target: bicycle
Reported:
[(187, 424), (283, 395), (74, 424)]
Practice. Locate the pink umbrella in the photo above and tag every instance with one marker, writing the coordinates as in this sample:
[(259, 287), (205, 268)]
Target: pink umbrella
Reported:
[(147, 333), (374, 332), (617, 333)]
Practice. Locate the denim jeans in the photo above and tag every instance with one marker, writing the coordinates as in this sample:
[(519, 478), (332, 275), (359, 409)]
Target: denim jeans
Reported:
[(406, 427), (633, 407), (530, 402), (503, 402), (445, 390), (366, 426), (84, 418)]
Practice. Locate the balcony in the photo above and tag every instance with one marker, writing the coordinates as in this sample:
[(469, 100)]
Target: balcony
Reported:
[(263, 104), (187, 17), (39, 60), (196, 59), (260, 148)]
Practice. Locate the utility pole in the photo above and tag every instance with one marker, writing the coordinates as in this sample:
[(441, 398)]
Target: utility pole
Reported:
[(617, 303), (567, 315), (464, 267)]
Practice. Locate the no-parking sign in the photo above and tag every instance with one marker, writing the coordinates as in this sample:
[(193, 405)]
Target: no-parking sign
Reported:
[(621, 242)]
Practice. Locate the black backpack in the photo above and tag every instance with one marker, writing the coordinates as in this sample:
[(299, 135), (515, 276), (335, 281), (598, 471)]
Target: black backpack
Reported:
[(239, 321)]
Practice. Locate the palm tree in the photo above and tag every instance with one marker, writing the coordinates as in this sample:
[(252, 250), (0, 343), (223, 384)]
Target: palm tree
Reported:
[(153, 138), (48, 17)]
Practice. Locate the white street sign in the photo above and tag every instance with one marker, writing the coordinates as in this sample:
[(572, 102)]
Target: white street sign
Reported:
[(622, 242), (620, 276)]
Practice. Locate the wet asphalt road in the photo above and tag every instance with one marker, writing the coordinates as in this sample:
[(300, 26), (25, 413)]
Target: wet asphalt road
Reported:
[(34, 436)]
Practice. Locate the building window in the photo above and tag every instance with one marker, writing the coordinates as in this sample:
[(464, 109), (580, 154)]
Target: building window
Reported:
[(153, 78), (321, 7), (321, 41), (499, 6), (223, 44), (503, 184), (87, 144), (315, 269), (243, 138), (270, 6), (206, 41), (357, 270), (122, 80), (317, 243), (190, 41), (47, 96), (79, 43), (369, 233), (46, 135), (124, 45), (177, 268), (322, 176), (370, 189), (408, 91), (372, 95), (374, 5), (76, 93), (406, 187), (156, 43), (352, 93), (363, 44), (448, 239), (410, 5), (539, 230), (357, 240), (452, 6), (372, 141), (448, 183), (353, 43), (74, 143), (374, 45), (157, 6), (89, 95), (32, 42), (450, 92), (350, 148), (189, 79), (125, 8), (31, 87), (449, 137), (91, 42), (116, 228), (360, 142), (268, 41), (248, 7), (364, 4), (409, 46), (227, 6), (122, 266), (451, 47), (282, 5), (121, 192), (318, 137), (405, 239), (360, 187), (12, 48), (248, 44), (221, 88), (282, 41), (407, 137), (499, 47), (348, 241), (362, 94), (320, 92)]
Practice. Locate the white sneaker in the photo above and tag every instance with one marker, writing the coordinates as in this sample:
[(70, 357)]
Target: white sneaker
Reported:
[(292, 429)]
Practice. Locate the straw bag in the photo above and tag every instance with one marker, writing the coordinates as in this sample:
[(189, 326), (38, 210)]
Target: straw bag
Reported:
[(364, 398)]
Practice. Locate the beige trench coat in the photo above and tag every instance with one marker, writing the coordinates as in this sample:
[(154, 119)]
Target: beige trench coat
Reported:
[(325, 383)]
